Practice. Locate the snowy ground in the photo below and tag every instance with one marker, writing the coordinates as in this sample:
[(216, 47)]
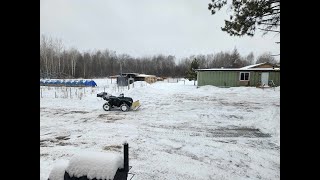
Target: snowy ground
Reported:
[(179, 132)]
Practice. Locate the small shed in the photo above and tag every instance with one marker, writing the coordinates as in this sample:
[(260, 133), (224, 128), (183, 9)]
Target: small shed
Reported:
[(128, 78), (145, 77)]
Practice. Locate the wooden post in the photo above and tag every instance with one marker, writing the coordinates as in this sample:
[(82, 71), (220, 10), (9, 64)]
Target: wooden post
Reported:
[(70, 92), (41, 92)]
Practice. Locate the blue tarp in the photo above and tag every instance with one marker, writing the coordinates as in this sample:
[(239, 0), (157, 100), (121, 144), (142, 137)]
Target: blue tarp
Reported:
[(75, 83), (68, 83), (91, 83)]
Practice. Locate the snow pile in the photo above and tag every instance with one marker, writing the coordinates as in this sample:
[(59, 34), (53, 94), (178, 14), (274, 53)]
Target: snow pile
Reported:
[(57, 173), (95, 165)]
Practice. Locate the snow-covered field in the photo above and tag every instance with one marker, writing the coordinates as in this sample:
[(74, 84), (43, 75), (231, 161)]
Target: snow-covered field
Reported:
[(179, 132)]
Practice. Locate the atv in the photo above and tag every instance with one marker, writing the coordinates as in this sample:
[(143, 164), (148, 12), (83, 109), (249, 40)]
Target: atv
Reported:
[(124, 103)]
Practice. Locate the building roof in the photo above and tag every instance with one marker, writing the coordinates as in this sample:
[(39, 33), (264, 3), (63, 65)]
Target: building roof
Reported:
[(257, 65), (145, 75), (136, 75), (239, 69), (252, 66), (130, 74)]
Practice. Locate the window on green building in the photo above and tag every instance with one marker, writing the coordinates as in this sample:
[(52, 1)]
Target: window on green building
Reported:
[(244, 76)]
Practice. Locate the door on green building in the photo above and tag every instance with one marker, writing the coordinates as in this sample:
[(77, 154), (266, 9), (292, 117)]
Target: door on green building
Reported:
[(265, 78)]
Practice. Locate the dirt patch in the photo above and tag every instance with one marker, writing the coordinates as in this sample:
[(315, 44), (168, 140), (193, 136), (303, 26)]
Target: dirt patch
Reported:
[(110, 118), (81, 112), (232, 116), (238, 132), (71, 112), (59, 140), (103, 116), (273, 146), (113, 148), (85, 119), (61, 112), (62, 137), (243, 105), (278, 105), (247, 132), (63, 144), (44, 154)]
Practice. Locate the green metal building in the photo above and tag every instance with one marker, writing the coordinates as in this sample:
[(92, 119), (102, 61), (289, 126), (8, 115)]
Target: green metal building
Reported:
[(260, 75)]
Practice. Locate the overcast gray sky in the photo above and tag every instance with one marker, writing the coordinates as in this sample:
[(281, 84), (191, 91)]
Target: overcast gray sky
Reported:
[(147, 27)]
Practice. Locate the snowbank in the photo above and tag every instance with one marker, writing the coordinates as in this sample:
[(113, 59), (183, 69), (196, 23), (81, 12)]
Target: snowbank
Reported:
[(95, 165), (58, 170)]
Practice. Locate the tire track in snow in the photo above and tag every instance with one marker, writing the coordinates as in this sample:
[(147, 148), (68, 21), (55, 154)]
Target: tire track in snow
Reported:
[(215, 133)]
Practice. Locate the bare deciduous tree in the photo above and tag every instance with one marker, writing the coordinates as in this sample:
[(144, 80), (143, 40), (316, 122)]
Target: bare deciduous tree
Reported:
[(266, 57)]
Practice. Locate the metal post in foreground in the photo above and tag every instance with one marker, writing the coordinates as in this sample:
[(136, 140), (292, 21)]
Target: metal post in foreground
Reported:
[(126, 156)]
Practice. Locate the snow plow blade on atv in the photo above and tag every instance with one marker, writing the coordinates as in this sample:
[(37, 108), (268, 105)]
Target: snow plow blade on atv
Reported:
[(124, 103), (135, 105)]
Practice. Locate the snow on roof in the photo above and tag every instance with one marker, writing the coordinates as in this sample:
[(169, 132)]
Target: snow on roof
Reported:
[(263, 69), (251, 66), (239, 69), (95, 165), (57, 173), (145, 75)]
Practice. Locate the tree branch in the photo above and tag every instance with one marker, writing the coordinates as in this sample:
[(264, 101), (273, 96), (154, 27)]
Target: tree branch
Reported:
[(272, 24), (276, 6), (266, 20), (275, 1), (269, 30), (270, 14)]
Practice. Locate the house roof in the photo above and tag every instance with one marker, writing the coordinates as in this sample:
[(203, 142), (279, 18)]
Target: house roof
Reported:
[(239, 69), (145, 75), (136, 75), (252, 66), (276, 65)]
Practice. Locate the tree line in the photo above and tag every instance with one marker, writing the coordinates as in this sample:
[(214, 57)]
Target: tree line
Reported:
[(58, 62)]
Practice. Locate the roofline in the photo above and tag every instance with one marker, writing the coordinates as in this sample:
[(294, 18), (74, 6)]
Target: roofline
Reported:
[(253, 65), (236, 69), (145, 75)]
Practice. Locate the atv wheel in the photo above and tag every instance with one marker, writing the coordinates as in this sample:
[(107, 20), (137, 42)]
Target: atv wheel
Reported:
[(106, 107), (124, 107)]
